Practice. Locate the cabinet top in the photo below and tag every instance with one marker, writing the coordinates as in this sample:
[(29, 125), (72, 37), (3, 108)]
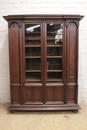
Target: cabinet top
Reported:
[(42, 16)]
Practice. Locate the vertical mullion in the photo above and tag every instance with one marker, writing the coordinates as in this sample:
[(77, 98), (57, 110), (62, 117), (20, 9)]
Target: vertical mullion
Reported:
[(42, 60), (63, 56), (42, 80), (45, 59), (65, 63), (45, 50), (77, 54), (22, 62)]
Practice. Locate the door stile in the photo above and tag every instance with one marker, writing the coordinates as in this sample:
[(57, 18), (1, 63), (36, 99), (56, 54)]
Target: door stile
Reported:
[(64, 64), (42, 60), (45, 52), (35, 85), (42, 54), (22, 62)]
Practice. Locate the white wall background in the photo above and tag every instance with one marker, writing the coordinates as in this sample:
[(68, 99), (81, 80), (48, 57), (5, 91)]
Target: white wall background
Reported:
[(8, 7)]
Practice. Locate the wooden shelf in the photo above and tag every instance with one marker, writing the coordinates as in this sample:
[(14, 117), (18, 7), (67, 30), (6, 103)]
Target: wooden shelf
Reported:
[(33, 84), (32, 45), (51, 38), (40, 45), (33, 33), (54, 70), (32, 70), (34, 38), (54, 56), (54, 79), (54, 45), (33, 79), (32, 56), (51, 32)]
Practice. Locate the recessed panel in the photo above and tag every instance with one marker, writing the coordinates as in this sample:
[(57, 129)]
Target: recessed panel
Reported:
[(33, 94), (15, 92), (72, 52), (14, 57), (54, 94)]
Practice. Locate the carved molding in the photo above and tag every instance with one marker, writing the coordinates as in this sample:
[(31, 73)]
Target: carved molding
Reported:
[(76, 22), (19, 22)]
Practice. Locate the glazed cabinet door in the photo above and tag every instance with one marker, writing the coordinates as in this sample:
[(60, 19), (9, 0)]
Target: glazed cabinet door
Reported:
[(54, 63), (33, 86)]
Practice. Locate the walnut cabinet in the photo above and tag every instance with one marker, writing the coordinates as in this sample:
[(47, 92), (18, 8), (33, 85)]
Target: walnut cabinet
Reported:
[(43, 53)]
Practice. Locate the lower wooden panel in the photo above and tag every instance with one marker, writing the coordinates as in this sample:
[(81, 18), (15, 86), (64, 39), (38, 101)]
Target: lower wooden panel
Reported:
[(54, 94), (71, 94), (44, 107), (15, 94), (33, 95)]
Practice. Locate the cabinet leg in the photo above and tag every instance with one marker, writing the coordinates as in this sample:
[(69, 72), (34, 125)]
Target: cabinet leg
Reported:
[(12, 111), (75, 111)]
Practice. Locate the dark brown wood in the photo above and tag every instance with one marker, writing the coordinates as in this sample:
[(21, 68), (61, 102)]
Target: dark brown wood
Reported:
[(72, 59), (22, 64), (32, 89), (54, 107), (15, 83), (43, 16)]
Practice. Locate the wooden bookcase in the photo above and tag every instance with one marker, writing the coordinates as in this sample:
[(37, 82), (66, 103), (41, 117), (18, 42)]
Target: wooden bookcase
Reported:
[(43, 51)]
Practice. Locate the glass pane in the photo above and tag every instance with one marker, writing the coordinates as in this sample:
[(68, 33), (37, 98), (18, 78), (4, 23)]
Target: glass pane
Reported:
[(54, 76), (33, 76), (33, 64), (33, 52), (54, 51), (54, 64)]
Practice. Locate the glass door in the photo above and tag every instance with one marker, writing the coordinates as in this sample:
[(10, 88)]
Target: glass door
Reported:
[(43, 63), (54, 52), (33, 52), (33, 87), (54, 82)]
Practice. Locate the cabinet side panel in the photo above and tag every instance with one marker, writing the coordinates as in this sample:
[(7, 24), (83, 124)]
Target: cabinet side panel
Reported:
[(14, 53), (14, 62), (15, 95), (72, 57), (71, 52), (71, 93)]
